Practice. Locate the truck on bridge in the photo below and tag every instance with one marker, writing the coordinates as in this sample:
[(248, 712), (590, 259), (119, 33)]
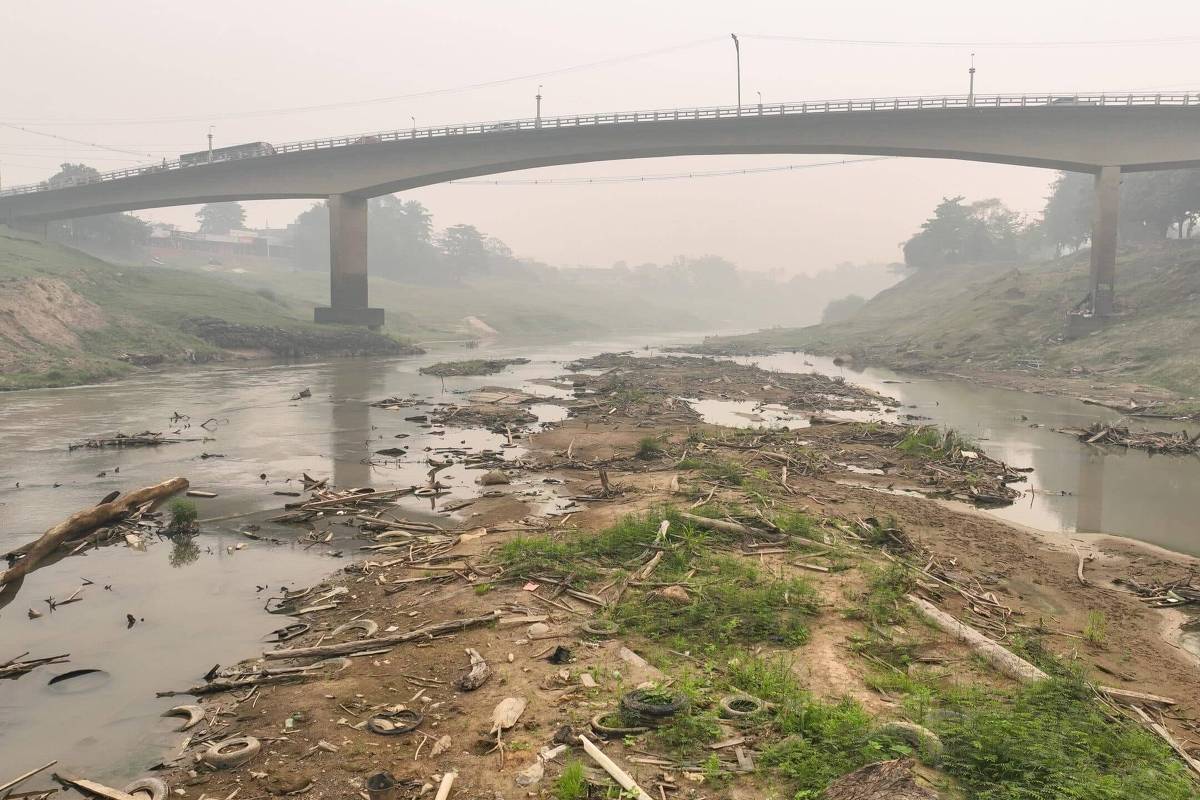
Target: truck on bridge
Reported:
[(231, 153)]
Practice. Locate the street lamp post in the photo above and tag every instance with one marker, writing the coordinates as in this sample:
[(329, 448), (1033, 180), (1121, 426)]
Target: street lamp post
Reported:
[(971, 90), (737, 49), (539, 106), (759, 102), (414, 126), (210, 130)]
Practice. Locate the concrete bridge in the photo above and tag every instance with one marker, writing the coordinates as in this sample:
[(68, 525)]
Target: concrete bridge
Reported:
[(1102, 134)]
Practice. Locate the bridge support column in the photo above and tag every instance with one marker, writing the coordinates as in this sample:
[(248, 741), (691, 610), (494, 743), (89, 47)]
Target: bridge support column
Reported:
[(348, 265), (1104, 240)]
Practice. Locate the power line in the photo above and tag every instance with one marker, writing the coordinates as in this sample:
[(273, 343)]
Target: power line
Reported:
[(670, 176), (391, 98), (1032, 44), (76, 141), (65, 155)]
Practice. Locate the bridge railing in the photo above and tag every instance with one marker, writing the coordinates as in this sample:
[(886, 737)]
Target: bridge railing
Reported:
[(1051, 100)]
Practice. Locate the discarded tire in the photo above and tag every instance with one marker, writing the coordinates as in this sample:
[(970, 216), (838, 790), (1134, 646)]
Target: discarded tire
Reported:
[(611, 729), (337, 663), (193, 713), (98, 678), (649, 704), (739, 706), (232, 752), (288, 632), (153, 788), (369, 628), (405, 721), (925, 741), (602, 628)]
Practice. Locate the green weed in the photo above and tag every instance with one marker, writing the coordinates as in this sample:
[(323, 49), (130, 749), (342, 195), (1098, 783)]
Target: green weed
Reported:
[(183, 516), (525, 556), (883, 602), (728, 473), (689, 731), (932, 443), (1096, 630), (572, 784), (649, 448), (795, 523), (730, 602), (1052, 740)]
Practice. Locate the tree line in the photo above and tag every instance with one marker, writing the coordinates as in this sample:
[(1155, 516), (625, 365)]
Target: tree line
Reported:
[(403, 245), (1154, 206)]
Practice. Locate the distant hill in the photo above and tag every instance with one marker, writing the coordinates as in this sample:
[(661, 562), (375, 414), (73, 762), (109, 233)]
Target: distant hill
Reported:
[(1011, 317)]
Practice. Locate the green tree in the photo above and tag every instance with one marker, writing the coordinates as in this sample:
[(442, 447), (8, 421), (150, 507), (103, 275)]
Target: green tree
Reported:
[(959, 233), (942, 237), (464, 251), (221, 218), (842, 308), (1154, 205), (310, 238), (400, 240), (1066, 222), (108, 234)]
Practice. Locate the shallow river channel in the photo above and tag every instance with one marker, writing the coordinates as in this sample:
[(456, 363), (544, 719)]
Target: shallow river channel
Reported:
[(198, 606)]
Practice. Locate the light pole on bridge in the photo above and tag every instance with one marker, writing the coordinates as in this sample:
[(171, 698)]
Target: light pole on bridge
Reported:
[(971, 90), (210, 130), (538, 123), (737, 49)]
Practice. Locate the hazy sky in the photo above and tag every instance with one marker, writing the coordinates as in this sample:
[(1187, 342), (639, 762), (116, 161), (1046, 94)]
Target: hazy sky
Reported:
[(149, 77)]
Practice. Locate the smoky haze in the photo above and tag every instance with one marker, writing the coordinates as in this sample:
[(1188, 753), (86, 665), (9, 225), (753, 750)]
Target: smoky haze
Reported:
[(149, 78)]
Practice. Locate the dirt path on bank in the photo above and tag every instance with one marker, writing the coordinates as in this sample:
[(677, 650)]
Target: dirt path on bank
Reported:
[(632, 447)]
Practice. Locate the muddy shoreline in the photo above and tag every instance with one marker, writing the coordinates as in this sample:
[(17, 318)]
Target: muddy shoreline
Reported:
[(1091, 386), (631, 447)]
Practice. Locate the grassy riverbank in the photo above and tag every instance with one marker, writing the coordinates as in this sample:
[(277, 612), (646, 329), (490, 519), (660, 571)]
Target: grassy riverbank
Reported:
[(67, 318), (1011, 319)]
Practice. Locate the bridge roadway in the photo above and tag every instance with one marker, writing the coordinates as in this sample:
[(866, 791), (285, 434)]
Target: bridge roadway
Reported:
[(1101, 134)]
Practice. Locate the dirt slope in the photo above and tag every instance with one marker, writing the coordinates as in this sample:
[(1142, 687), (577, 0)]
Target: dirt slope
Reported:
[(68, 318)]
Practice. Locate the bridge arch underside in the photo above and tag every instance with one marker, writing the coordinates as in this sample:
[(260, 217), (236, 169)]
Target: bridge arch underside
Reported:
[(1103, 141)]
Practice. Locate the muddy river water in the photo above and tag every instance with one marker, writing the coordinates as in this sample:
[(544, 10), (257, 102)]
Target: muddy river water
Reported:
[(198, 606)]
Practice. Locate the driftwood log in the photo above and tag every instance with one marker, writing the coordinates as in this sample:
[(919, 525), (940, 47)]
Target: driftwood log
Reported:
[(1004, 660), (83, 522), (725, 526), (477, 675), (345, 648)]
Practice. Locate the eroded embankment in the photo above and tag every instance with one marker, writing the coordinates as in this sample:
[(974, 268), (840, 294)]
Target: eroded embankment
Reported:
[(754, 603)]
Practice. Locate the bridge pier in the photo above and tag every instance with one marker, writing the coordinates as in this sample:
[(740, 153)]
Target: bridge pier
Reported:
[(1105, 213), (348, 265)]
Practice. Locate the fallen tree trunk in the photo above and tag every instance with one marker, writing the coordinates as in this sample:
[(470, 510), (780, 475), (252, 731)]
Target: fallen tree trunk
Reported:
[(619, 775), (999, 657), (83, 522), (1130, 696), (233, 684), (726, 527), (345, 648)]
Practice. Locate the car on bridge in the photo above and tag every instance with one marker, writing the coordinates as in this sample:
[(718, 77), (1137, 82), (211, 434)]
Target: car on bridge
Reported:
[(231, 153)]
